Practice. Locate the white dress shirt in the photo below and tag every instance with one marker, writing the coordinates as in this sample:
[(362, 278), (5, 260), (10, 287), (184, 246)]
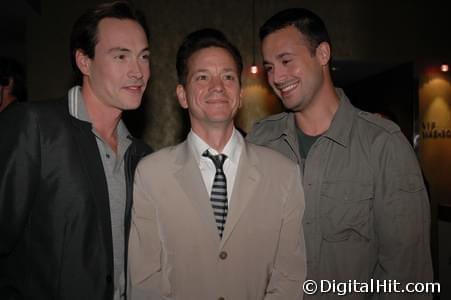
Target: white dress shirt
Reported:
[(207, 168)]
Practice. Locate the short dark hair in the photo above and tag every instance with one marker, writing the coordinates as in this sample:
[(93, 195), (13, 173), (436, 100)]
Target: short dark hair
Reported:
[(200, 39), (84, 31), (307, 22), (12, 69)]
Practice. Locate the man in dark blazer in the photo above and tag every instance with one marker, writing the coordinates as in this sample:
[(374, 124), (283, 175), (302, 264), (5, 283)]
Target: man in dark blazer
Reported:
[(67, 165)]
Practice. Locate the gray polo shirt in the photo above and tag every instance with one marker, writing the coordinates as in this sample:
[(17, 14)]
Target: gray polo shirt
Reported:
[(113, 165)]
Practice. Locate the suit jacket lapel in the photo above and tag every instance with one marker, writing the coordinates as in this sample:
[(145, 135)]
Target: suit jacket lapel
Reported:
[(95, 178), (190, 179), (245, 186)]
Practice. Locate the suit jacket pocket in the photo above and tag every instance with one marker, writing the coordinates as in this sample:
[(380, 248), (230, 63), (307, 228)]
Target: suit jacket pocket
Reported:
[(345, 208)]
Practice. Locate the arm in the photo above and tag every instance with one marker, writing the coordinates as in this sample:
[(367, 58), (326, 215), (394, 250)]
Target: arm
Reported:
[(19, 183), (144, 256), (289, 270), (402, 216)]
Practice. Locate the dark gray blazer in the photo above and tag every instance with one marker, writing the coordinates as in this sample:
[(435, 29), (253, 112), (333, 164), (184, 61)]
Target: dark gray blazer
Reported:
[(55, 230)]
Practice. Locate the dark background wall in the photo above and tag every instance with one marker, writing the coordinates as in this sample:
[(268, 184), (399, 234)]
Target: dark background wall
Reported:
[(369, 36)]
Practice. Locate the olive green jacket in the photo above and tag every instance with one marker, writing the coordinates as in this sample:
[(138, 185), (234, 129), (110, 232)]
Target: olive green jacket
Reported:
[(367, 211)]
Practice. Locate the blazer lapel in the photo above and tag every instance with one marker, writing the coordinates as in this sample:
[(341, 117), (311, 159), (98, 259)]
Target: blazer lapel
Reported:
[(246, 183), (190, 179), (95, 178)]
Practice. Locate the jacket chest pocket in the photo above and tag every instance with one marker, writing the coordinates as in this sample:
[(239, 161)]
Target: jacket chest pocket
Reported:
[(345, 211)]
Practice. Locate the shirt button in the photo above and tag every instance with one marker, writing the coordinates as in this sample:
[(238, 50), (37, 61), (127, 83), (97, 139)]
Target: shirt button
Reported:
[(223, 255), (107, 155)]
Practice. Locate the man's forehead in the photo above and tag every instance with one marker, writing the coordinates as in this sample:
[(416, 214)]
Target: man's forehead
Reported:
[(212, 57), (286, 35), (113, 28)]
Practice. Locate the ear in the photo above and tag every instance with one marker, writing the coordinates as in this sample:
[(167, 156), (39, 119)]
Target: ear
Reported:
[(323, 53), (10, 85), (83, 61), (181, 95)]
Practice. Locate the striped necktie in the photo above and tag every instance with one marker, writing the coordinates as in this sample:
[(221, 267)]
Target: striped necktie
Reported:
[(218, 195)]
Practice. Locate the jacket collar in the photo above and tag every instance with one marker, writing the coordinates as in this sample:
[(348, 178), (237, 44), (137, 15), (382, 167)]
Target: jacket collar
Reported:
[(341, 125), (339, 130), (190, 179)]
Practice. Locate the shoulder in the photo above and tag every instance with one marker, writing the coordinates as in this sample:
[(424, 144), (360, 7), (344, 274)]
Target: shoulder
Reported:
[(160, 159), (271, 120), (384, 138), (269, 158), (380, 133), (268, 128), (373, 120), (34, 113)]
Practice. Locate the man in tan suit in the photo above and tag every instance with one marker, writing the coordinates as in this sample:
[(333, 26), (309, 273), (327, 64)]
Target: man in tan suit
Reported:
[(215, 217)]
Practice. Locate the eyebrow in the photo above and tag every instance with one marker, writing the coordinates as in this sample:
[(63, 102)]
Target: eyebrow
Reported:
[(118, 49), (206, 70), (121, 49), (279, 56)]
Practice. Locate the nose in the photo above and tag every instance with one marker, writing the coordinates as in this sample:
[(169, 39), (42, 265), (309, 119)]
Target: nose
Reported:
[(217, 84), (135, 70), (278, 74)]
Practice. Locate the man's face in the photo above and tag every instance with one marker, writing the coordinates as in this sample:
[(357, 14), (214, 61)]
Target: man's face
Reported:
[(117, 75), (294, 73), (212, 93)]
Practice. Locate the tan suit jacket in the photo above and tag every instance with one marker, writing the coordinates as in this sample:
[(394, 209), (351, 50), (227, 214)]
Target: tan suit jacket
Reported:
[(175, 251)]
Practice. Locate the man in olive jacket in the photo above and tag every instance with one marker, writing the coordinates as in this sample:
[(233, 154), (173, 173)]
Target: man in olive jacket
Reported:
[(367, 212), (67, 165)]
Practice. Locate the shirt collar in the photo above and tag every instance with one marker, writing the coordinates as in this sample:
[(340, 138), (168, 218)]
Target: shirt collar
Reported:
[(232, 149), (341, 125), (77, 109)]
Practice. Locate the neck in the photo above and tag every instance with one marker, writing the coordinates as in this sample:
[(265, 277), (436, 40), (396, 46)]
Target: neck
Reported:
[(215, 137), (104, 118), (317, 117)]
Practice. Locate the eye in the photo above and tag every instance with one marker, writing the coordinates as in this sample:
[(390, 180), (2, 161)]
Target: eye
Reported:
[(229, 77), (120, 57), (267, 68), (145, 56), (286, 61), (201, 77)]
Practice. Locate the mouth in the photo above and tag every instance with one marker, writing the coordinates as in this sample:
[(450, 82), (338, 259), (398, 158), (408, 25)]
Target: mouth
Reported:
[(134, 89), (286, 88), (216, 101)]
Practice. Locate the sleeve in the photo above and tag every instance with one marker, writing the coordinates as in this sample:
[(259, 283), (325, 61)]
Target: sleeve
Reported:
[(402, 217), (144, 256), (19, 182), (289, 271)]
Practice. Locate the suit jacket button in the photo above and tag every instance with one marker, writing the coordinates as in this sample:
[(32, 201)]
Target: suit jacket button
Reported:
[(109, 279), (223, 255), (221, 298)]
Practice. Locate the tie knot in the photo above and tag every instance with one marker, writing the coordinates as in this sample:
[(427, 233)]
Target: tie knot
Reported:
[(218, 160)]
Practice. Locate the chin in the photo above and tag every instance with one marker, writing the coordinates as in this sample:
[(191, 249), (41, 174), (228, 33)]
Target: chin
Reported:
[(131, 105)]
